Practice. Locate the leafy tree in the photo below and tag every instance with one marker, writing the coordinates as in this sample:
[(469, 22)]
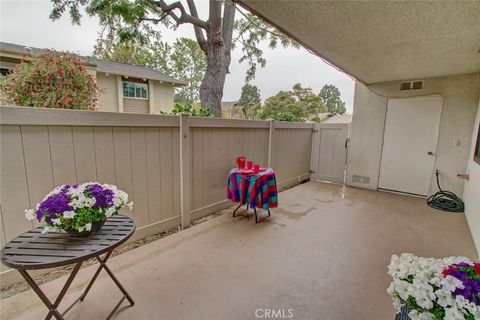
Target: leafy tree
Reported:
[(50, 80), (250, 100), (184, 60), (137, 20), (298, 105), (192, 109), (331, 96)]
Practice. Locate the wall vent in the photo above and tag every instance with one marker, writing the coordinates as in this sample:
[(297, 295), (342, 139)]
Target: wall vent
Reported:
[(411, 85), (361, 179)]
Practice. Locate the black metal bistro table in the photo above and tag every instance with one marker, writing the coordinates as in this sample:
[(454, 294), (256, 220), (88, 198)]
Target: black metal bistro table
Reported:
[(36, 250)]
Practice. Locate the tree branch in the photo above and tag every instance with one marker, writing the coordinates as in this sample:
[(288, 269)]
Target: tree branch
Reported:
[(227, 24), (184, 16), (198, 31), (242, 31), (257, 26)]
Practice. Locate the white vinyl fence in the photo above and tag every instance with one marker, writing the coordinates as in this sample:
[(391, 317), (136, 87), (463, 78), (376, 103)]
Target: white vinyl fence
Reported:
[(173, 167)]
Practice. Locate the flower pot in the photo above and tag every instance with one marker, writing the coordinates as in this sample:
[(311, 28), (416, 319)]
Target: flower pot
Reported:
[(403, 314), (96, 226)]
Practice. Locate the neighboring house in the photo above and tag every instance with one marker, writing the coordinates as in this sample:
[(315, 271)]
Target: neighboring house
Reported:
[(123, 87), (232, 110), (416, 93), (338, 118)]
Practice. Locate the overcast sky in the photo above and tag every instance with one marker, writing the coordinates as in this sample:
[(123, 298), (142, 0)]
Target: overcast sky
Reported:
[(27, 23)]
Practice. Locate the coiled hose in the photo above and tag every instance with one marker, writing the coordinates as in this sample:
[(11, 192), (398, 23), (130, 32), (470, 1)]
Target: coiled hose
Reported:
[(445, 200)]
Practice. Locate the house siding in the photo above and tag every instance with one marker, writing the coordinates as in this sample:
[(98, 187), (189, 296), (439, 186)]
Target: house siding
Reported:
[(135, 105)]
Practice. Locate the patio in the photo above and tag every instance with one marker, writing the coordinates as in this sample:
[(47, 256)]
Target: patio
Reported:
[(323, 254)]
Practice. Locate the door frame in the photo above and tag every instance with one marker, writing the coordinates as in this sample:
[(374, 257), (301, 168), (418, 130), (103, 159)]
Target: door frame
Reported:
[(434, 160)]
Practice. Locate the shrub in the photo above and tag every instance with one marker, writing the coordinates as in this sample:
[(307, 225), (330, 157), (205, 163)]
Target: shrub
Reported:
[(191, 108), (50, 80)]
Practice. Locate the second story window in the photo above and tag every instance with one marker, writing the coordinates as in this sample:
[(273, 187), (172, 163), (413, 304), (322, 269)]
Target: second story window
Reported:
[(135, 90)]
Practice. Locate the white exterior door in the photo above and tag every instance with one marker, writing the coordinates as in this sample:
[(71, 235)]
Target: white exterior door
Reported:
[(329, 152), (409, 144)]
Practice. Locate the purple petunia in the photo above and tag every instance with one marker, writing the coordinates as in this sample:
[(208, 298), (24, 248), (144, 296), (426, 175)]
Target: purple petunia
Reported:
[(103, 196), (54, 205), (470, 277)]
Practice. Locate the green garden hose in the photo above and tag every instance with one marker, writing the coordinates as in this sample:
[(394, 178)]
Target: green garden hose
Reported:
[(445, 200)]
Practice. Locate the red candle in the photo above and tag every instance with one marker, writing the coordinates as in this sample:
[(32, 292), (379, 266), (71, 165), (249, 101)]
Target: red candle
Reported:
[(256, 169), (249, 164), (241, 162)]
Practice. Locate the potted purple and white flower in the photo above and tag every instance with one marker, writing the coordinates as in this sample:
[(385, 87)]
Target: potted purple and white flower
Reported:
[(435, 289), (81, 209)]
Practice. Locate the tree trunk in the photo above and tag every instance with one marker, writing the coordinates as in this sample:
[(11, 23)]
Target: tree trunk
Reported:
[(217, 48), (211, 89)]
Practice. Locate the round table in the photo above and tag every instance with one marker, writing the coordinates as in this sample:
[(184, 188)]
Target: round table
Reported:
[(36, 250), (255, 190)]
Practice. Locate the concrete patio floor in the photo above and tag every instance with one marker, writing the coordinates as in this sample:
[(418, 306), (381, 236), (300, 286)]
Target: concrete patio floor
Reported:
[(320, 254)]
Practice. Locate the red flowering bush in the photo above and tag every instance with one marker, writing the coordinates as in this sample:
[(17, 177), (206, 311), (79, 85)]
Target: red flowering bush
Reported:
[(50, 80)]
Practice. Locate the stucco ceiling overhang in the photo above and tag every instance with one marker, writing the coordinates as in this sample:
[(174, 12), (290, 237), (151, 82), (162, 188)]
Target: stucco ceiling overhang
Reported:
[(376, 41)]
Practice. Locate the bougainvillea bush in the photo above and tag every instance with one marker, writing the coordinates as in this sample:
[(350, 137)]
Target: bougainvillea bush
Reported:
[(50, 80), (435, 289), (76, 207)]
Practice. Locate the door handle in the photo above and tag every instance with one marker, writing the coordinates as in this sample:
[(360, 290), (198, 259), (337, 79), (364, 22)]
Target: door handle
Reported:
[(430, 153)]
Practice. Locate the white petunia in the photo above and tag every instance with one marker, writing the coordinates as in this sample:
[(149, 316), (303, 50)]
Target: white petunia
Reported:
[(397, 304), (417, 278), (30, 214), (453, 314), (391, 289), (88, 226), (49, 228), (56, 221), (130, 205), (465, 304), (414, 315), (110, 211), (424, 301), (445, 298), (89, 202), (436, 281), (402, 288), (69, 214), (426, 316), (452, 283)]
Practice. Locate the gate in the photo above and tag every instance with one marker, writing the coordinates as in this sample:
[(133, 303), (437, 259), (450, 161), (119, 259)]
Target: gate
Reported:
[(329, 152)]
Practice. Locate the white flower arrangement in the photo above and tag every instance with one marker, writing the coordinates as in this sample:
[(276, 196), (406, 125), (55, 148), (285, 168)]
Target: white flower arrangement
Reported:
[(435, 289)]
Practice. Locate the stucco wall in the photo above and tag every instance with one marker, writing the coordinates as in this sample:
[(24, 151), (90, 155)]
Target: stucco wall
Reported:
[(108, 97), (472, 190), (366, 136), (162, 97), (460, 98)]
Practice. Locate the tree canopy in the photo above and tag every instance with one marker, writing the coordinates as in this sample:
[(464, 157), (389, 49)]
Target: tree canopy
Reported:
[(125, 20), (331, 96), (184, 60), (250, 100), (297, 105)]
